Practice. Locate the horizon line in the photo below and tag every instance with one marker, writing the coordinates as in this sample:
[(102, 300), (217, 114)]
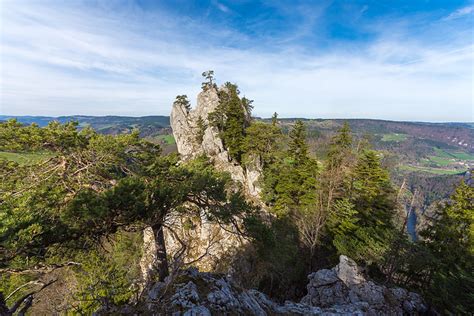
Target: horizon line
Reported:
[(255, 117)]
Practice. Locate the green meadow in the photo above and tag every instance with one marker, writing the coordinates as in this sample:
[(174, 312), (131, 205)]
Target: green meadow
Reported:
[(394, 137), (25, 158)]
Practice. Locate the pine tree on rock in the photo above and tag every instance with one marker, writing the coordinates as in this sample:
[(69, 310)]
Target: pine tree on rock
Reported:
[(201, 129), (275, 119), (183, 100), (231, 119), (209, 80)]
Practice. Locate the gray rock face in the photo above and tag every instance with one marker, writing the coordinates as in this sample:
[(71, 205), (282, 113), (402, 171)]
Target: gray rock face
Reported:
[(348, 272), (201, 293), (345, 285), (186, 296), (148, 260), (342, 290), (185, 131), (206, 240), (184, 125)]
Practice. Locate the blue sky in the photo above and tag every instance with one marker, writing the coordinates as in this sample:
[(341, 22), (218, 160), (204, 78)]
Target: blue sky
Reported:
[(397, 60)]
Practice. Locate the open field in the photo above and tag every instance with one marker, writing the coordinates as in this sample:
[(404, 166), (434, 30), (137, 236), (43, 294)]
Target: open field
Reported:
[(168, 139), (440, 161), (394, 137), (437, 171), (463, 156), (445, 158), (454, 155), (25, 158)]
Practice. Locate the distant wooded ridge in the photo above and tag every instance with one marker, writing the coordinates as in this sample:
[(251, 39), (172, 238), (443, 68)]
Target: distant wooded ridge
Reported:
[(164, 120)]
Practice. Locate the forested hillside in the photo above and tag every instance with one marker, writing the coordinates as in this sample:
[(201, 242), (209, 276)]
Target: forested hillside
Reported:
[(428, 159), (90, 215)]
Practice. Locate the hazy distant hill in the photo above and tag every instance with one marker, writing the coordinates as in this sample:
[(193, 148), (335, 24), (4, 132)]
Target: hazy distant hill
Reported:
[(460, 135), (436, 148), (148, 125), (457, 135), (433, 148)]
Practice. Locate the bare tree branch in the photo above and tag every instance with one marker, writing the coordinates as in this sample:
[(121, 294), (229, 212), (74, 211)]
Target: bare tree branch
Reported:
[(27, 299)]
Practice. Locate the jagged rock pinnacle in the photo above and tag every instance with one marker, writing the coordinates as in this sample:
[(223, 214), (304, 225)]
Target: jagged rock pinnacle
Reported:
[(185, 131)]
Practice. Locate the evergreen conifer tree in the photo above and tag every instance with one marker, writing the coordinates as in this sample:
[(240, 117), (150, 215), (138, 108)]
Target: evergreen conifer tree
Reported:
[(209, 80), (298, 149), (450, 240), (183, 100), (275, 119)]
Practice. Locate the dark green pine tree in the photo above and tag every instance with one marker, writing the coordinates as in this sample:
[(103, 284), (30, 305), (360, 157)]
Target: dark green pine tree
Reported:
[(373, 194), (261, 140), (234, 130), (183, 100), (292, 181), (201, 129), (450, 240), (344, 137), (298, 149), (366, 218), (340, 148), (230, 118), (275, 119)]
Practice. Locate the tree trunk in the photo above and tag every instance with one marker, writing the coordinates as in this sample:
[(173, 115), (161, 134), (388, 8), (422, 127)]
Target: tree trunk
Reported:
[(311, 257), (154, 263), (161, 263)]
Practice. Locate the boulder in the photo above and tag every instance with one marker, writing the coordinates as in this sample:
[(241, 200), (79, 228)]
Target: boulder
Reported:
[(346, 285), (343, 290)]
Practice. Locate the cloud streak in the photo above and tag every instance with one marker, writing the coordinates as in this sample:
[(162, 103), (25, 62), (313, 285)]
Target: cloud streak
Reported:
[(460, 12), (82, 60)]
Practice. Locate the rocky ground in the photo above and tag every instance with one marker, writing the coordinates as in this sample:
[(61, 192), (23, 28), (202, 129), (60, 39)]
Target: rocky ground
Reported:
[(342, 290)]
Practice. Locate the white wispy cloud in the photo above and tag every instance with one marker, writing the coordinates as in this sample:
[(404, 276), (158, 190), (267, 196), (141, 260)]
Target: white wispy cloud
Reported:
[(460, 12), (73, 60), (222, 7)]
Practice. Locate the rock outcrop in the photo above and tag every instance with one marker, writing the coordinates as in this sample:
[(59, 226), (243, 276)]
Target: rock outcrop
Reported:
[(346, 285), (343, 290), (206, 240), (186, 130)]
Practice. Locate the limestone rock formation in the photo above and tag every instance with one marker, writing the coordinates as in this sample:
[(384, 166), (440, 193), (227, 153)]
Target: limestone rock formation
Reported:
[(343, 290), (208, 246), (186, 131), (208, 241), (345, 284), (149, 257)]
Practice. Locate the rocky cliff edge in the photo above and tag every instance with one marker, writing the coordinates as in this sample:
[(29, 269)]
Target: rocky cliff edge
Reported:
[(342, 290)]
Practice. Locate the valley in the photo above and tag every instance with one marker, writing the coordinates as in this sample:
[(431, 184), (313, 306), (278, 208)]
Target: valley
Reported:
[(410, 147)]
